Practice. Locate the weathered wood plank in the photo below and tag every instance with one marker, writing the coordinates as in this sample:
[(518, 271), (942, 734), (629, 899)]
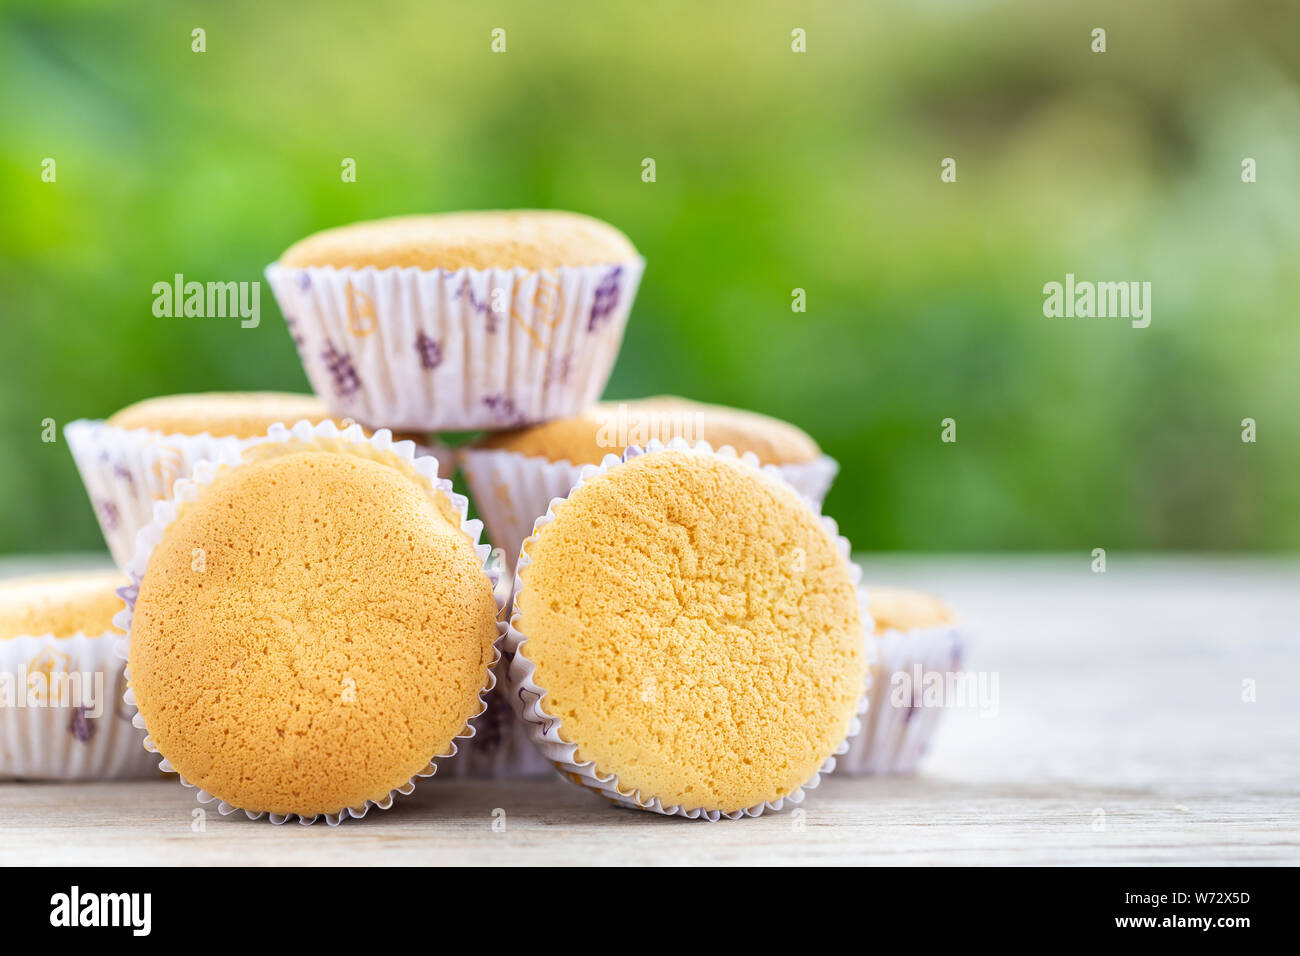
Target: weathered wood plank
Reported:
[(1121, 735)]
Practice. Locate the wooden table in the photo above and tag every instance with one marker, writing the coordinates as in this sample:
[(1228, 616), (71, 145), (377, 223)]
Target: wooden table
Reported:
[(1120, 736)]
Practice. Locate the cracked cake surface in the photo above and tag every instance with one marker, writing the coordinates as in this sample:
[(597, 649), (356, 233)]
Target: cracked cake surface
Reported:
[(696, 630), (313, 627)]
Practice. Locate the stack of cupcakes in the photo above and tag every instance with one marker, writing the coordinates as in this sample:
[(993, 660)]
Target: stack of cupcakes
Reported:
[(312, 623)]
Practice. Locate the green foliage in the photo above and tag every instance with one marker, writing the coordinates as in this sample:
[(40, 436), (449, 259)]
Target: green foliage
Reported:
[(775, 170)]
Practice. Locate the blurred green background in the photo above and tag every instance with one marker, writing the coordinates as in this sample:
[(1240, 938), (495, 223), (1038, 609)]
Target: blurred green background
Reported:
[(775, 170)]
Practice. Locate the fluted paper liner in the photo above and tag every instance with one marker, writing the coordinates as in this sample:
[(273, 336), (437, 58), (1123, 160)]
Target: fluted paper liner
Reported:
[(528, 697), (895, 738), (431, 349), (503, 748), (126, 470), (42, 741), (326, 434)]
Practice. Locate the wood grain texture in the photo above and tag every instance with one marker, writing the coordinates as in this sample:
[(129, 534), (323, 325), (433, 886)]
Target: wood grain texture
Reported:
[(1120, 736)]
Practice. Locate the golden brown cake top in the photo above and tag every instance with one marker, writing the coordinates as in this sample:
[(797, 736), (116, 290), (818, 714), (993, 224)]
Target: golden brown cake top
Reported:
[(532, 239), (232, 414), (696, 630), (902, 609), (222, 414), (313, 627), (608, 427), (81, 602)]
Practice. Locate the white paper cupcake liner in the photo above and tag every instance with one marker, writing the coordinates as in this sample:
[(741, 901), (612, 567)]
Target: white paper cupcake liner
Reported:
[(812, 479), (897, 733), (431, 349), (352, 439), (503, 747), (512, 490), (528, 697), (445, 455), (68, 723), (126, 470)]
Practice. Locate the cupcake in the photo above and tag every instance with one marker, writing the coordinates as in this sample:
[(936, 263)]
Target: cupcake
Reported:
[(61, 710), (462, 321), (918, 638), (513, 475), (132, 460), (686, 635), (310, 625)]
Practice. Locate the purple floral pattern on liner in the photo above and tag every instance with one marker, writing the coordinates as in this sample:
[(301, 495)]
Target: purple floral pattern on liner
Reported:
[(81, 727), (294, 333), (466, 291), (429, 350), (121, 471), (109, 516), (299, 340), (559, 370), (304, 281), (605, 300), (342, 370), (504, 409)]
